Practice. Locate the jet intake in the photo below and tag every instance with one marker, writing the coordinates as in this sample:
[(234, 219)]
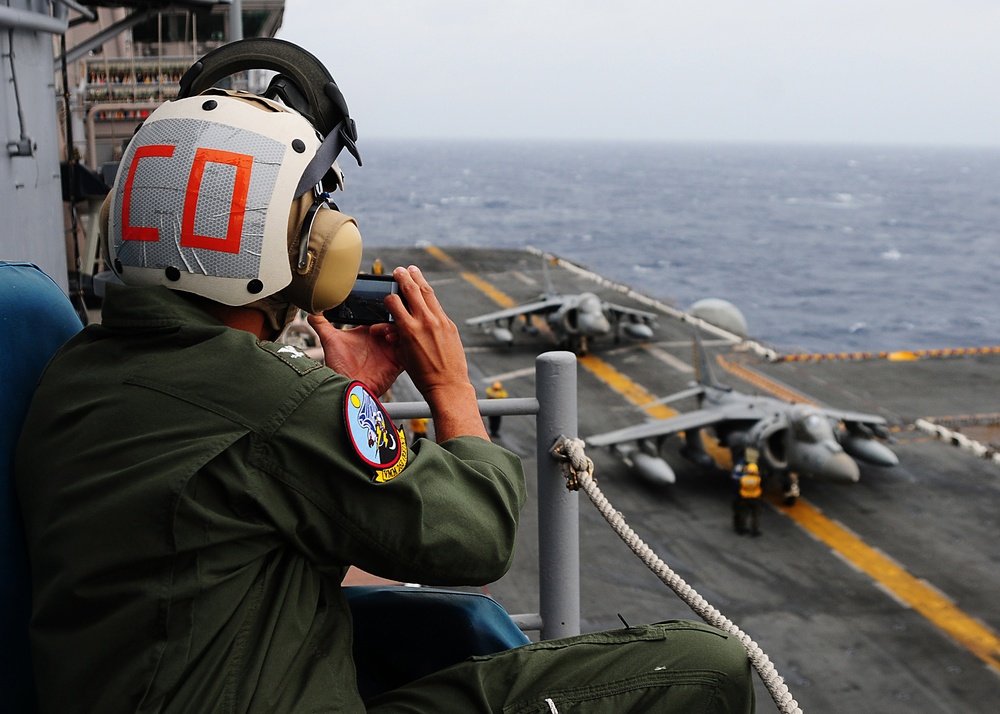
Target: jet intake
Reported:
[(571, 321), (773, 450)]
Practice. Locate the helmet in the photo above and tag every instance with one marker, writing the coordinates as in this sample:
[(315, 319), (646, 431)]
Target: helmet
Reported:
[(224, 194), (751, 468)]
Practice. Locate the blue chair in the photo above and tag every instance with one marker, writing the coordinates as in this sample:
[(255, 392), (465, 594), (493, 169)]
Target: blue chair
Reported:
[(404, 633), (36, 319), (401, 633)]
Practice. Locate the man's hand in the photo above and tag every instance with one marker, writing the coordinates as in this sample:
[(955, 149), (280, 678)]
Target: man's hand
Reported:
[(432, 353), (367, 354)]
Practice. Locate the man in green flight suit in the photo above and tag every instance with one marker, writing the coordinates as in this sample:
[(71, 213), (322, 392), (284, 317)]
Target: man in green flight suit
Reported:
[(194, 492)]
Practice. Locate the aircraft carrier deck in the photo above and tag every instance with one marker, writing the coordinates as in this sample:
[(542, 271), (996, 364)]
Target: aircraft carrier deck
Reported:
[(881, 596)]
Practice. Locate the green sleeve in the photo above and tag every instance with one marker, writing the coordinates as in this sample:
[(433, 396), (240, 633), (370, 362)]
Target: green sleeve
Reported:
[(448, 518)]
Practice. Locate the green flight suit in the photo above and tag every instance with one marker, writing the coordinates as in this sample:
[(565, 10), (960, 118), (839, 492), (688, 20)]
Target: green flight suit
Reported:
[(192, 497)]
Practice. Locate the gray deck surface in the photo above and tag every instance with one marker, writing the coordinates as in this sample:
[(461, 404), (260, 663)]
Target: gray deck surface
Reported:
[(844, 642)]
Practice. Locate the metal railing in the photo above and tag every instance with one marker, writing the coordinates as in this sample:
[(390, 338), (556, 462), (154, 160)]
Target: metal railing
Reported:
[(555, 407)]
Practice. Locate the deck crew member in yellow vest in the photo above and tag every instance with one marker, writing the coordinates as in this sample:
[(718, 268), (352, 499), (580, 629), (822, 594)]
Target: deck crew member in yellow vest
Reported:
[(746, 506), (495, 391)]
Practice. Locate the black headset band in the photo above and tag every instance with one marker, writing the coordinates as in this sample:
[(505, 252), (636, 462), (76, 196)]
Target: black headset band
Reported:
[(326, 101)]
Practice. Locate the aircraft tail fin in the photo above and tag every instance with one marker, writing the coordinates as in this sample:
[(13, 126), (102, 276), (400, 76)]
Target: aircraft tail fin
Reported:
[(549, 288), (703, 364)]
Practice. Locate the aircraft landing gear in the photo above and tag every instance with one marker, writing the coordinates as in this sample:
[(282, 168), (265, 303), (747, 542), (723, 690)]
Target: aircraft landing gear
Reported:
[(791, 491)]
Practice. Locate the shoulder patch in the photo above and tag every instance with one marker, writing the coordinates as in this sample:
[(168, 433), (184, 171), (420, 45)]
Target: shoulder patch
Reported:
[(375, 439), (291, 355)]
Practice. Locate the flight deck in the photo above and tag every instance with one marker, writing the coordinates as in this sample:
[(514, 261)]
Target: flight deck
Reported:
[(877, 596)]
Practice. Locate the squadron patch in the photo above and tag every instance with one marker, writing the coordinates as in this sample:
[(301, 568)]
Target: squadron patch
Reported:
[(375, 438)]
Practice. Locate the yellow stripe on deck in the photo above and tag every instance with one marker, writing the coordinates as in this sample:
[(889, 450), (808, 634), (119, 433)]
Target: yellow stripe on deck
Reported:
[(976, 637), (625, 386), (501, 298), (923, 598)]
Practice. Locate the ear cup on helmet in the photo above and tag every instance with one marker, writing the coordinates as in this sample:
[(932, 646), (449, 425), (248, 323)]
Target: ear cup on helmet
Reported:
[(324, 273)]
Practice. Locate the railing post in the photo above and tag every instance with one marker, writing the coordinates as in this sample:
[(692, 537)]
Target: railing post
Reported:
[(558, 507)]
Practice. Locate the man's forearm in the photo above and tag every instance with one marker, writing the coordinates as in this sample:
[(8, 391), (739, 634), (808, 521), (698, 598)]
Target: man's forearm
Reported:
[(456, 412)]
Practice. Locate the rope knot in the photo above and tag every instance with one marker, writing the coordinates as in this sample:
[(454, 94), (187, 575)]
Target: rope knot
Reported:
[(575, 461)]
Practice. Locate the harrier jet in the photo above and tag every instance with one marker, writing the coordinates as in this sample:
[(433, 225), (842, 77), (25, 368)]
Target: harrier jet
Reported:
[(573, 319), (789, 439)]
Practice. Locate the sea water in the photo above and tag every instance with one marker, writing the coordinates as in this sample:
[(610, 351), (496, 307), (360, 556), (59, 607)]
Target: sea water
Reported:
[(823, 249)]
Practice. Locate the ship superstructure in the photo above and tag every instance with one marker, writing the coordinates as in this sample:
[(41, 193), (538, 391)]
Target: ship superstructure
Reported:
[(77, 80)]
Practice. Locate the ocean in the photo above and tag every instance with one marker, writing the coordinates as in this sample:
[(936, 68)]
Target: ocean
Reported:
[(823, 249)]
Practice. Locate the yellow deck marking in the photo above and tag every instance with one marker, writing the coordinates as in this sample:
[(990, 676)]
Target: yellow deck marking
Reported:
[(501, 298), (625, 386), (975, 636), (971, 634), (441, 255), (762, 382)]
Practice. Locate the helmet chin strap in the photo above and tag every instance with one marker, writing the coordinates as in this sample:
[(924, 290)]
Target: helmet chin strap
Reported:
[(343, 135)]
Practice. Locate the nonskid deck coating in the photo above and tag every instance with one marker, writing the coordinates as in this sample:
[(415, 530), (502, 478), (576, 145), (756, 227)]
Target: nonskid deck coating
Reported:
[(844, 641)]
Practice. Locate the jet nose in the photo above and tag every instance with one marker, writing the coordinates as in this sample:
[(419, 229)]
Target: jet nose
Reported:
[(842, 468), (593, 324)]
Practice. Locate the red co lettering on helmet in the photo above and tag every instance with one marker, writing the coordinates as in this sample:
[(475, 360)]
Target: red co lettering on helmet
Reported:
[(230, 243)]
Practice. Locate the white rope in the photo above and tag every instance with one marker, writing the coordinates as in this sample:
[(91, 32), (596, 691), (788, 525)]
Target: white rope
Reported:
[(579, 471)]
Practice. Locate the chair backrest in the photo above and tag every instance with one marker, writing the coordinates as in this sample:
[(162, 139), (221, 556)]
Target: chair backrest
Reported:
[(403, 633), (36, 318)]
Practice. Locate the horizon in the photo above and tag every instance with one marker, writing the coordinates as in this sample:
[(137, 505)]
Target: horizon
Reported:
[(690, 143)]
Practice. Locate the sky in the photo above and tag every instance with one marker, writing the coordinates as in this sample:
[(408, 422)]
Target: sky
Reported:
[(923, 72)]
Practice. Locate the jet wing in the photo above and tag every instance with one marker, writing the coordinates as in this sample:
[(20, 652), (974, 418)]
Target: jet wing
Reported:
[(858, 417), (660, 427), (530, 308), (622, 311), (682, 422)]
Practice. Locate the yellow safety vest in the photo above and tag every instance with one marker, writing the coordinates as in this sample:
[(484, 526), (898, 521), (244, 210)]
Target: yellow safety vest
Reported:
[(419, 425), (750, 486)]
